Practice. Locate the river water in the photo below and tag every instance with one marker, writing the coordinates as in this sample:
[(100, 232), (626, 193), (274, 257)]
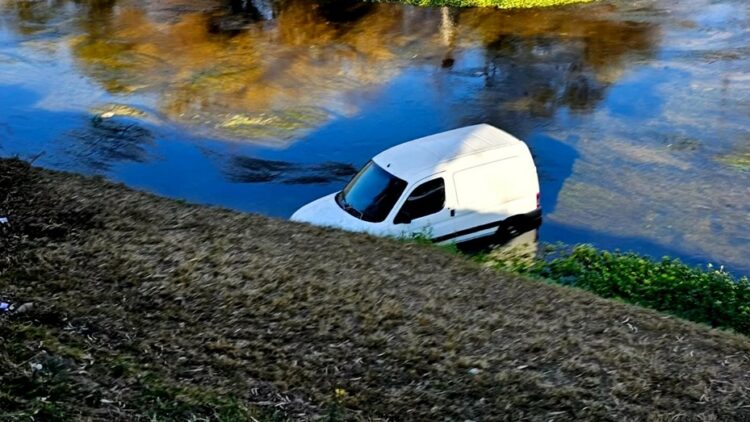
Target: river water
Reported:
[(637, 112)]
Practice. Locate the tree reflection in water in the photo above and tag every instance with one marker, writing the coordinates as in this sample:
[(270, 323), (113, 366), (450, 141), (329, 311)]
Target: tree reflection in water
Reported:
[(224, 67), (103, 142)]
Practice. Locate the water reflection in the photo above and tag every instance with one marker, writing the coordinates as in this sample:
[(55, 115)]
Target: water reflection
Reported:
[(635, 111), (89, 144), (523, 248), (535, 65), (104, 141), (265, 81), (224, 68)]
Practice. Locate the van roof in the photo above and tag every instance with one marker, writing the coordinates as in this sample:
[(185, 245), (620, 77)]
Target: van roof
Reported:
[(419, 158)]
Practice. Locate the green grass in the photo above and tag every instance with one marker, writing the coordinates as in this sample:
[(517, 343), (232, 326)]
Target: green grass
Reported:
[(502, 4), (151, 309), (705, 295), (57, 369)]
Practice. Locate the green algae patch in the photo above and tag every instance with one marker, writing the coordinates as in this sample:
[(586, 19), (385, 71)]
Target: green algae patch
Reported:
[(500, 4), (281, 125), (107, 111), (738, 161)]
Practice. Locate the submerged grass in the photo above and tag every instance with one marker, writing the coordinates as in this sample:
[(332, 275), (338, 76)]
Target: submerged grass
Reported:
[(133, 307)]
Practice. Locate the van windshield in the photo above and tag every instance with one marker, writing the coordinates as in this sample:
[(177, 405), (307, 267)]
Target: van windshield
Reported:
[(371, 194)]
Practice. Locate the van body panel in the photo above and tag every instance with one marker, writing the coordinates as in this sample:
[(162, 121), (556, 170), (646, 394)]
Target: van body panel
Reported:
[(489, 180), (474, 235), (417, 159), (327, 213)]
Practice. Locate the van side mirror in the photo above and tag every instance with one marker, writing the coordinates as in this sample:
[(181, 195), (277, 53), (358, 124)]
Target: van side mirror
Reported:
[(402, 217)]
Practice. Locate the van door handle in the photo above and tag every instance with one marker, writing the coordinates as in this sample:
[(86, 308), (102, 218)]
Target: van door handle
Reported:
[(453, 213)]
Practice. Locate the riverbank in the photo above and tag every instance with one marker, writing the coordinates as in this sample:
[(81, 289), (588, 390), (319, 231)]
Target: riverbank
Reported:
[(128, 306)]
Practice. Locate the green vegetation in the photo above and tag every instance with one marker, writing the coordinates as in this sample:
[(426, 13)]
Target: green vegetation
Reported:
[(502, 4), (53, 374), (710, 296), (739, 161), (146, 308)]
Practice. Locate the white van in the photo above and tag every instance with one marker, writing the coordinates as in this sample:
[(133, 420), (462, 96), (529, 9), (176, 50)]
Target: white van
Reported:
[(455, 186)]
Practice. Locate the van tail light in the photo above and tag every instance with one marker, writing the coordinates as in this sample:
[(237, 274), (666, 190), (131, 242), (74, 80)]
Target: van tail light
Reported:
[(538, 200)]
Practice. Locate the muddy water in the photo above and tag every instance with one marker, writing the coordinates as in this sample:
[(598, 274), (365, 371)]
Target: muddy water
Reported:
[(638, 112)]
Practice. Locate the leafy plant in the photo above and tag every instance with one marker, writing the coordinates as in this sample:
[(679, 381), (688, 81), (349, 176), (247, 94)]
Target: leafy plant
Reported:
[(711, 296)]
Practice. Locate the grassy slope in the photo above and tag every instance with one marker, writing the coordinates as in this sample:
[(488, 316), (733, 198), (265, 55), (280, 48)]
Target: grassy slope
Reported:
[(146, 307)]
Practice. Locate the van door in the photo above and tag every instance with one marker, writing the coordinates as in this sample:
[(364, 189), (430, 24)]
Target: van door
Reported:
[(425, 211)]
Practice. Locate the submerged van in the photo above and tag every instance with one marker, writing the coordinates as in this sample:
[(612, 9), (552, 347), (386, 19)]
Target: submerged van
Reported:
[(456, 186)]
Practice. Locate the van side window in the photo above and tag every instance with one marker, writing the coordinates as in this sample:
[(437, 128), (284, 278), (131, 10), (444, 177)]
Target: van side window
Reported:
[(426, 199)]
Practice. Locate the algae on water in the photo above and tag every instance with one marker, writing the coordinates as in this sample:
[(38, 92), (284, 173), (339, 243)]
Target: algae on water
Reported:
[(281, 124), (738, 161)]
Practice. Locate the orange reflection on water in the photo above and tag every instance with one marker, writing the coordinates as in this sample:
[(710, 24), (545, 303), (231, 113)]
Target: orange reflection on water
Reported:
[(217, 66)]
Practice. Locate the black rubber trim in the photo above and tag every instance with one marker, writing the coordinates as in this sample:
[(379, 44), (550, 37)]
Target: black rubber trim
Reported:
[(468, 231), (533, 217)]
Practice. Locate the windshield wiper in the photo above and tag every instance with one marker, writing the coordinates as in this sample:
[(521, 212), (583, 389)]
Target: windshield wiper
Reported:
[(351, 210), (348, 208)]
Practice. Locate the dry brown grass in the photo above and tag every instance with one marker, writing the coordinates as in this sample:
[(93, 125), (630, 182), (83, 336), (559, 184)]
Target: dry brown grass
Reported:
[(146, 307)]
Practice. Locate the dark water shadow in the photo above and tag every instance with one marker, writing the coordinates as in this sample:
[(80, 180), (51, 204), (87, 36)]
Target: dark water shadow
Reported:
[(103, 142), (235, 17), (245, 169), (343, 11), (554, 162)]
